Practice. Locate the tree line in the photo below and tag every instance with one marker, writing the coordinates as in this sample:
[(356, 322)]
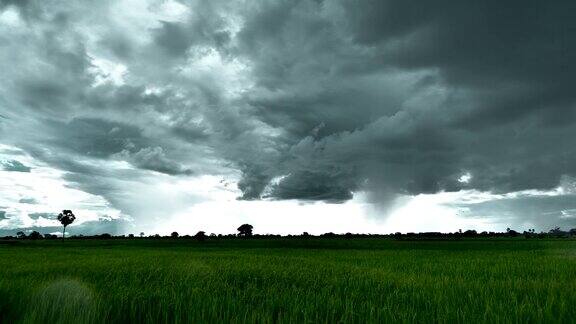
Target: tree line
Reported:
[(67, 217)]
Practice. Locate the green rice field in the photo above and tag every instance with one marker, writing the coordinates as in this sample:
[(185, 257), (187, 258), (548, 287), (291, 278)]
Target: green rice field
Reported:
[(289, 280)]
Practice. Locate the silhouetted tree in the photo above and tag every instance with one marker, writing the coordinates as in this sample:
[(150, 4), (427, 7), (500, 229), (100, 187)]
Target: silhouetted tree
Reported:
[(200, 236), (174, 235), (245, 230), (470, 233), (66, 217), (512, 232), (35, 235), (131, 236), (20, 235), (557, 232), (141, 234)]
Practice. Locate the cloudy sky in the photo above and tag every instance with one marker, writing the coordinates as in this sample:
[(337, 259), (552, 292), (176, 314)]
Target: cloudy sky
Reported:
[(368, 116)]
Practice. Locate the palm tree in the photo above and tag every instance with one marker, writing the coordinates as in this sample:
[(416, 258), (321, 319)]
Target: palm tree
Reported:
[(66, 217)]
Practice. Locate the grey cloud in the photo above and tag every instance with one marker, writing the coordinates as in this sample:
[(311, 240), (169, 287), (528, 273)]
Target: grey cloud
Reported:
[(173, 38), (204, 26), (110, 226), (36, 216), (154, 158), (409, 96), (118, 45), (544, 212), (253, 183), (14, 166), (478, 93), (314, 186), (3, 215), (27, 230), (31, 201), (94, 137), (512, 68), (25, 6)]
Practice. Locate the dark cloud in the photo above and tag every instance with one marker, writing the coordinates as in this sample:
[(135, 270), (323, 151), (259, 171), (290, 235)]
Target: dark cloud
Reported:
[(482, 87), (94, 137), (154, 158), (173, 38), (314, 186), (14, 166), (2, 215), (307, 100)]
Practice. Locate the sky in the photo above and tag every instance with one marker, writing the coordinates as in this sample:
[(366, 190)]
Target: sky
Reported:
[(367, 116)]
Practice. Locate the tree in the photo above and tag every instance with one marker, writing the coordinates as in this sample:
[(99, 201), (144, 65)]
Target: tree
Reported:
[(174, 235), (470, 233), (141, 234), (200, 236), (66, 217), (245, 230), (512, 232), (35, 235), (20, 235), (556, 231)]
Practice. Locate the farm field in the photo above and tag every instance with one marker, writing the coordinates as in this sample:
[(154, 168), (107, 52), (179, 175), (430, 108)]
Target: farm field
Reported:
[(288, 280)]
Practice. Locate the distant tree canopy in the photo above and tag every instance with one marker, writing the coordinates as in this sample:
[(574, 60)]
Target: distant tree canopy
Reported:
[(245, 230), (35, 235), (174, 235), (200, 236)]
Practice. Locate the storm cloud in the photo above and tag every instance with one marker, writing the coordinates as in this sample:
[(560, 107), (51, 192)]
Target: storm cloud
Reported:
[(304, 99), (14, 166)]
